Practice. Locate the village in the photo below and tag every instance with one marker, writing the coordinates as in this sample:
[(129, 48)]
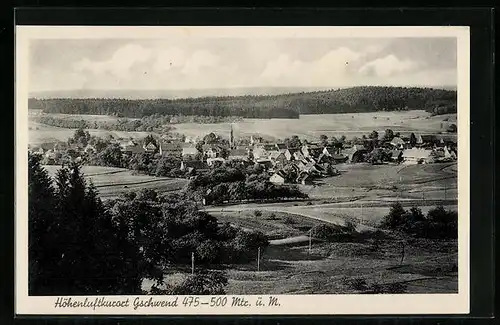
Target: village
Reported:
[(290, 161)]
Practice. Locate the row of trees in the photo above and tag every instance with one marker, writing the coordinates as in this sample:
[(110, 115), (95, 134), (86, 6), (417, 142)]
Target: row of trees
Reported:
[(235, 184), (150, 123), (348, 100), (438, 223), (81, 245)]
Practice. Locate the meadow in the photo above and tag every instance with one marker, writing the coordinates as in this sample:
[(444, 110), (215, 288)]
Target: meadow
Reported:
[(312, 126), (111, 182), (306, 127)]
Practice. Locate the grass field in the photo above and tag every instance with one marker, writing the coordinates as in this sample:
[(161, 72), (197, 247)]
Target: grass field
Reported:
[(429, 266), (312, 126), (331, 267), (111, 182), (308, 126)]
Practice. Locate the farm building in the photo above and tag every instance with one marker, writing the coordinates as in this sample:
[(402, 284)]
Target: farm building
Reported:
[(264, 150), (278, 178), (397, 143), (417, 156), (131, 147), (170, 149), (238, 154), (278, 157)]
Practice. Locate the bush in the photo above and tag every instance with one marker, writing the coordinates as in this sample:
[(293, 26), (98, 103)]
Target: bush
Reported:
[(358, 284), (257, 213), (328, 232), (350, 226), (202, 283), (439, 223), (397, 288)]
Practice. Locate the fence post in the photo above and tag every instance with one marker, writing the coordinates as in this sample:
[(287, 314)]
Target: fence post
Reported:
[(258, 259), (192, 263)]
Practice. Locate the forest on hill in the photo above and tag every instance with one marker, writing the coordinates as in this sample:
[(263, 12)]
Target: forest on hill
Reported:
[(347, 100)]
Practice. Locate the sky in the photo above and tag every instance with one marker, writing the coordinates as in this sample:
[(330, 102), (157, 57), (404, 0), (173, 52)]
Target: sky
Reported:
[(201, 63)]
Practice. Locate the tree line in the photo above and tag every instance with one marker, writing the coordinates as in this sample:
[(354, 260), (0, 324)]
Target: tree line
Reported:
[(150, 123), (348, 100), (79, 244)]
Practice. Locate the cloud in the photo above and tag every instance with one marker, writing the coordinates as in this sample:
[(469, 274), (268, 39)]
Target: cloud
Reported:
[(169, 58), (119, 64), (323, 71), (200, 59), (387, 66), (217, 63)]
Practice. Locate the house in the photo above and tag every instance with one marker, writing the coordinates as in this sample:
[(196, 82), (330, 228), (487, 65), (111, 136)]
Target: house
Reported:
[(396, 155), (278, 178), (256, 139), (278, 158), (290, 153), (417, 156), (170, 149), (150, 147), (239, 154), (264, 150), (215, 162), (211, 151), (131, 147), (397, 143), (297, 155), (42, 148), (189, 152)]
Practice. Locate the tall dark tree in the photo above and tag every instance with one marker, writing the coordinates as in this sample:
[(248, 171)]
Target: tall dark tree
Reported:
[(413, 139), (75, 248)]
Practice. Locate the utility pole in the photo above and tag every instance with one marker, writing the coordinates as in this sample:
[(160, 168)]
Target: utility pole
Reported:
[(258, 259), (310, 240), (192, 263), (445, 192)]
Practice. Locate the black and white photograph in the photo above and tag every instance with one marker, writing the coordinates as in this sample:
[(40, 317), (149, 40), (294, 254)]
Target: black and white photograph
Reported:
[(258, 165)]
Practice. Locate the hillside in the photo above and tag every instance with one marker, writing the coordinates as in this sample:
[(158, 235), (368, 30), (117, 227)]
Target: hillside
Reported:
[(291, 105)]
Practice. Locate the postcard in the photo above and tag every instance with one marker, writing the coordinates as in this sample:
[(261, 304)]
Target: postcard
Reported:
[(183, 170)]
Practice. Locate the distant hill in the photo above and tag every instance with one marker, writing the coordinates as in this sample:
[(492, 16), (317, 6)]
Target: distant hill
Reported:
[(170, 93), (287, 105)]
